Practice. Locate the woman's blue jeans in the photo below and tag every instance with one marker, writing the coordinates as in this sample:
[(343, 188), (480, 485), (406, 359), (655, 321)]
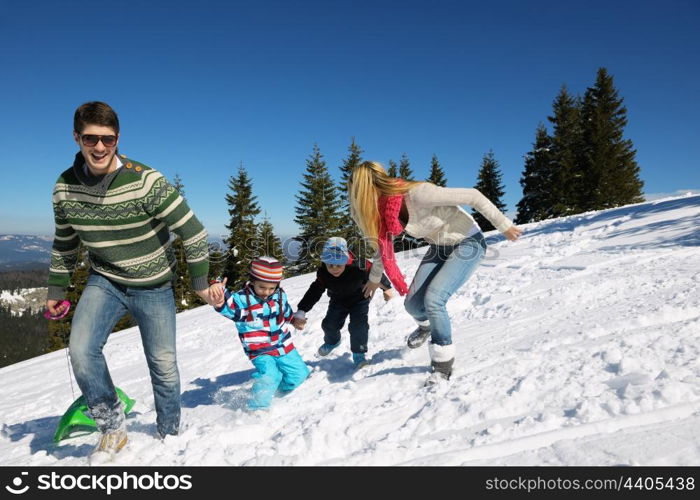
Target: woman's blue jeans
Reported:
[(443, 270), (101, 305)]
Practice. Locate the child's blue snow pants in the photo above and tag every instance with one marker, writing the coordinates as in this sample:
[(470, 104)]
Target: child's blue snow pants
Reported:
[(285, 373)]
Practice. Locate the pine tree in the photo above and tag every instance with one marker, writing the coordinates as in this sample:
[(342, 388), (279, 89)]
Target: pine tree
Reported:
[(536, 201), (393, 170), (242, 231), (317, 213), (405, 171), (59, 330), (185, 297), (267, 243), (178, 185), (217, 260), (490, 184), (23, 335), (405, 242), (353, 159), (611, 171), (348, 229), (437, 175), (567, 151)]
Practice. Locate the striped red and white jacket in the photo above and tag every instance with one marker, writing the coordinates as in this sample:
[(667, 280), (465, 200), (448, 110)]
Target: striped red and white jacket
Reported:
[(264, 325)]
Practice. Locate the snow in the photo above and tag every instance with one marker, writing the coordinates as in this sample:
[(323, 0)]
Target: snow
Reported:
[(577, 345), (6, 296), (18, 302)]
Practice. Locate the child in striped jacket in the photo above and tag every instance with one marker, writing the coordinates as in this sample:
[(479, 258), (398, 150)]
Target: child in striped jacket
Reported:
[(263, 316)]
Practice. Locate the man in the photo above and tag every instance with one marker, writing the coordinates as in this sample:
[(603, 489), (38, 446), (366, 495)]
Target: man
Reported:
[(122, 212)]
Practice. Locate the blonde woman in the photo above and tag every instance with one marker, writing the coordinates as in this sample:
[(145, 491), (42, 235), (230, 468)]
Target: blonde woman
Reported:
[(383, 207)]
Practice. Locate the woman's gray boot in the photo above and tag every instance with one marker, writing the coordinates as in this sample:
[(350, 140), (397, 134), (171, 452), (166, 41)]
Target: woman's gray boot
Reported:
[(442, 357)]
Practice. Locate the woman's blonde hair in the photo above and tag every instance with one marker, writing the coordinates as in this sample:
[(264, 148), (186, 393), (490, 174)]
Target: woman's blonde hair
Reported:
[(367, 183)]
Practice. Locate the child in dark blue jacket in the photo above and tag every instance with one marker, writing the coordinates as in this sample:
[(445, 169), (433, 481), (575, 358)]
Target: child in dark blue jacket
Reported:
[(343, 277)]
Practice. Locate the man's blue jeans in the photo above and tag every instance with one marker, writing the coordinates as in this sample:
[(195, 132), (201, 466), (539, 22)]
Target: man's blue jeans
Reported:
[(101, 305), (443, 270)]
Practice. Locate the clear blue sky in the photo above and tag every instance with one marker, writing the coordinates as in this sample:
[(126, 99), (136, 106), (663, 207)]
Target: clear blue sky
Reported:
[(202, 86)]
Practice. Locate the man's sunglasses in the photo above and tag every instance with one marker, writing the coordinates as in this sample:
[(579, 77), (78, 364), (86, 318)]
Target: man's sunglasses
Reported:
[(91, 140)]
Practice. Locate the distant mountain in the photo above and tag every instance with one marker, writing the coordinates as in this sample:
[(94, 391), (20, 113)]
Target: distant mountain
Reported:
[(19, 251)]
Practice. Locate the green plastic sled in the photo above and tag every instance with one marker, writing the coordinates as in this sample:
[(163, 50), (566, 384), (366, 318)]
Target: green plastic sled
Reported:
[(76, 417)]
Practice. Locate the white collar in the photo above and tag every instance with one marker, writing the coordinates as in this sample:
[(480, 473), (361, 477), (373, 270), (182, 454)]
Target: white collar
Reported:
[(87, 172)]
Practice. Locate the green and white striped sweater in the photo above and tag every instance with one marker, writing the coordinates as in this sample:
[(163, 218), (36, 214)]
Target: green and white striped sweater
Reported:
[(124, 221)]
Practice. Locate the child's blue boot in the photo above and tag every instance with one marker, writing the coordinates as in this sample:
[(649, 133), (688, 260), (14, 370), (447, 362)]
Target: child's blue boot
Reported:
[(326, 349), (359, 359)]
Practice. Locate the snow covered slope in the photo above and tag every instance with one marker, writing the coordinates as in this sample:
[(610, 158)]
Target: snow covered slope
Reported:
[(576, 345)]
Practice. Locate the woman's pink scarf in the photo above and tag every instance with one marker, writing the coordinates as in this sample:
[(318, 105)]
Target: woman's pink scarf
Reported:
[(390, 226)]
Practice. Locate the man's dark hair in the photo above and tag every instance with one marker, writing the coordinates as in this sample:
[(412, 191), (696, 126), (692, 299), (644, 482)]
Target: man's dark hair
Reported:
[(95, 113)]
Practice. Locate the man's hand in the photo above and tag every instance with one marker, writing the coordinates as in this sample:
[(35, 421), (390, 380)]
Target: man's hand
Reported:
[(388, 295), (204, 295), (214, 295), (55, 307), (216, 292)]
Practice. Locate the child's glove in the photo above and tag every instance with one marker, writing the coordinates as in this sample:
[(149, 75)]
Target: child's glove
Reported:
[(388, 295), (299, 320)]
